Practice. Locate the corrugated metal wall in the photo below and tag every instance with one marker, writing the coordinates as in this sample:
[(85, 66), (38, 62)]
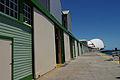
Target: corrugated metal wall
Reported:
[(69, 22), (45, 3), (55, 9), (22, 53)]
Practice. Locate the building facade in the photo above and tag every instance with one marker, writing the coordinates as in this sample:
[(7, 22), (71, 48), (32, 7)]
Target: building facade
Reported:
[(32, 39)]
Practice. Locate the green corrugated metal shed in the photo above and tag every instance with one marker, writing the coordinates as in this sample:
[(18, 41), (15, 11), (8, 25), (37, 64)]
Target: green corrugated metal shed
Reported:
[(22, 40), (22, 47)]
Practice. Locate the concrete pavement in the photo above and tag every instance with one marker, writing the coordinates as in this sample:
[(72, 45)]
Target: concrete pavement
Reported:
[(91, 66)]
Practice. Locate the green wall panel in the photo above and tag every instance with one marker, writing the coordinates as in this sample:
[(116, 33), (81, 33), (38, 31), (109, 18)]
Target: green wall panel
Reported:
[(22, 49)]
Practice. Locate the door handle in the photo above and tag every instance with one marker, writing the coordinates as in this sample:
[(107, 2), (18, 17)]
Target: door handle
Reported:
[(10, 63)]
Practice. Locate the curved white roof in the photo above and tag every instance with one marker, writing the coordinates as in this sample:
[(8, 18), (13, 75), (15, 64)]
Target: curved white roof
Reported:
[(96, 43), (90, 44)]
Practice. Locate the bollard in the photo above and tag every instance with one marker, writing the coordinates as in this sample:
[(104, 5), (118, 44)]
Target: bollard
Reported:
[(116, 51), (119, 56), (119, 59)]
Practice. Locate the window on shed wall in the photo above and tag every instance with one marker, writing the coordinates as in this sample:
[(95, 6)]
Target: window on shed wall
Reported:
[(9, 7), (27, 14)]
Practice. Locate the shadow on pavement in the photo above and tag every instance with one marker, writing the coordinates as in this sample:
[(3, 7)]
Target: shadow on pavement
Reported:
[(117, 77)]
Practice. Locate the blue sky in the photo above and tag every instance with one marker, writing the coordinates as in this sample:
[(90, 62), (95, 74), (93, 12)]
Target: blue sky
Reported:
[(95, 19)]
